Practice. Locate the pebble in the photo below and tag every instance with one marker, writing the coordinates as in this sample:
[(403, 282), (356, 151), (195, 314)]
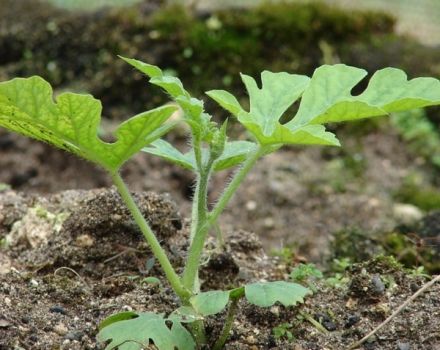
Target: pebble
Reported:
[(403, 346), (60, 329), (58, 310), (351, 320), (250, 340), (269, 222), (84, 241), (33, 283), (326, 321), (4, 323), (406, 213), (251, 205), (74, 335), (377, 285)]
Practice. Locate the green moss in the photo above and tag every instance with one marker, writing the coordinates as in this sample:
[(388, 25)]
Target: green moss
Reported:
[(354, 245), (416, 192), (65, 46), (420, 133), (410, 251)]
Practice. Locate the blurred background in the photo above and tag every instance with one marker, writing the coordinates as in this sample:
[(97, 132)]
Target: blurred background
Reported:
[(365, 197)]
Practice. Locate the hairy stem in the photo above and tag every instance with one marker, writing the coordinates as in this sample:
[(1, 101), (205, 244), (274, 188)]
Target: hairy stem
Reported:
[(228, 325), (234, 184), (201, 207), (156, 248), (198, 242)]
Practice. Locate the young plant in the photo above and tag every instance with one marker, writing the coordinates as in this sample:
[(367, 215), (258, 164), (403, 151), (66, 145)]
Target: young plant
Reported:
[(71, 123)]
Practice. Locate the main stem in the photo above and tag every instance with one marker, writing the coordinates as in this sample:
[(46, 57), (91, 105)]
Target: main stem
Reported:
[(156, 248), (198, 242)]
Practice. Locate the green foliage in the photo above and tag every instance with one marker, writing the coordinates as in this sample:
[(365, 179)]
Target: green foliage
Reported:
[(415, 191), (283, 331), (303, 272), (210, 303), (134, 331), (51, 40), (27, 107), (420, 133), (234, 153), (266, 294), (325, 98), (268, 104), (71, 123)]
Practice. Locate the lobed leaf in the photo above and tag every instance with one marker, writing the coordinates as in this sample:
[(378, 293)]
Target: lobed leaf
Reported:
[(266, 294), (326, 97), (71, 122), (134, 331), (329, 99)]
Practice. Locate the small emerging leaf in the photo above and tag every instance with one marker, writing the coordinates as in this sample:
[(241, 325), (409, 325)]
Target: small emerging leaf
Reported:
[(134, 331), (234, 153), (71, 123), (192, 107), (266, 294)]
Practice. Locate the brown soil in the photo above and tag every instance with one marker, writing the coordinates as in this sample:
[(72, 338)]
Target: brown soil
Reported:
[(75, 257)]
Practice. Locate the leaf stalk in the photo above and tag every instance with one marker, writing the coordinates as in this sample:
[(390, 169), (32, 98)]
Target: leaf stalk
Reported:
[(145, 228)]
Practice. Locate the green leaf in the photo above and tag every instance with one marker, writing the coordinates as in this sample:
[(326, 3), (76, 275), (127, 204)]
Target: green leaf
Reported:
[(304, 271), (326, 97), (266, 294), (329, 99), (134, 331), (233, 154), (279, 91), (71, 122), (167, 151), (210, 303), (226, 100), (192, 107), (185, 314)]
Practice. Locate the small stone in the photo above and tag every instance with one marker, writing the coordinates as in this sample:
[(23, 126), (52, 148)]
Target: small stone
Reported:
[(377, 286), (84, 241), (403, 346), (326, 321), (351, 320), (60, 329), (74, 335), (7, 301), (251, 205), (269, 222), (33, 283), (407, 214), (58, 310), (250, 339), (4, 323), (275, 310)]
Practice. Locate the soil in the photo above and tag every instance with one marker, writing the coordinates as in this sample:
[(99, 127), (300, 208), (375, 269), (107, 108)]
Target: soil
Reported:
[(72, 258)]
